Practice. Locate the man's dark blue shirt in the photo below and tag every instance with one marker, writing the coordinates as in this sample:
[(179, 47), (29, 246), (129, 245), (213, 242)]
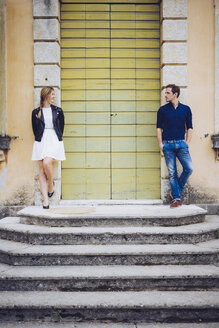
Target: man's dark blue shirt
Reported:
[(174, 121)]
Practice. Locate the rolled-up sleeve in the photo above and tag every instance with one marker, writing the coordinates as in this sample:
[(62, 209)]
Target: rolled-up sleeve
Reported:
[(159, 119), (189, 119)]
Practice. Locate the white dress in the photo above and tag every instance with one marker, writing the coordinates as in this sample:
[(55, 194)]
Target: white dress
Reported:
[(49, 146)]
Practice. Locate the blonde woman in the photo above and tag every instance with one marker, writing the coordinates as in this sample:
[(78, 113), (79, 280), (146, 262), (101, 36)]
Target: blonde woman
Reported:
[(48, 126)]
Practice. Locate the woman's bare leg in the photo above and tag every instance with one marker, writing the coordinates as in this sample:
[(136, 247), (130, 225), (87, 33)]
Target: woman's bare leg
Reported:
[(43, 184), (48, 169)]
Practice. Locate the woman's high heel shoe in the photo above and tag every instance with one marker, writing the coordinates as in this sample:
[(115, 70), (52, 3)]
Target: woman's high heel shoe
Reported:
[(50, 194), (46, 207)]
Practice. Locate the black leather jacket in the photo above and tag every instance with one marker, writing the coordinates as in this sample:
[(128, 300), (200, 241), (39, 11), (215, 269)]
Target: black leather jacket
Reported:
[(38, 124)]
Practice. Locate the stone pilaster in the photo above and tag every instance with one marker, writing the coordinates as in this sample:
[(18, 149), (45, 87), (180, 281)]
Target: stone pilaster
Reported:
[(173, 60), (47, 70), (3, 111), (216, 66)]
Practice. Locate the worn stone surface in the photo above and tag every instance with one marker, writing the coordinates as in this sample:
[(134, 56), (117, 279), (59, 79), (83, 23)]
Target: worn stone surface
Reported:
[(174, 53), (176, 74), (109, 271), (110, 202), (74, 222), (174, 30), (115, 306), (106, 325), (174, 9), (3, 211), (12, 229), (73, 324), (7, 210), (112, 215), (38, 196), (212, 209), (115, 211), (197, 194), (165, 190), (46, 8), (47, 75), (96, 282), (46, 52), (110, 299), (15, 253), (21, 195), (46, 29), (108, 278)]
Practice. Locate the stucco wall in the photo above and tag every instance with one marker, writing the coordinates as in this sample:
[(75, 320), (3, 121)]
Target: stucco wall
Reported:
[(18, 175), (201, 66)]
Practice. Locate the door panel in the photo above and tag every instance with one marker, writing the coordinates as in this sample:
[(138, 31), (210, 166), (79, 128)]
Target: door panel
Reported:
[(110, 94)]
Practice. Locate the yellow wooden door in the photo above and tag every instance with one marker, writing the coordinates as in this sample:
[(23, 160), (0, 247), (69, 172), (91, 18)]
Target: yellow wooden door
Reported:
[(110, 94)]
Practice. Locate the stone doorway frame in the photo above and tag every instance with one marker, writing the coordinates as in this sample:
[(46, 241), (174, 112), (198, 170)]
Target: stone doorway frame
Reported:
[(47, 68)]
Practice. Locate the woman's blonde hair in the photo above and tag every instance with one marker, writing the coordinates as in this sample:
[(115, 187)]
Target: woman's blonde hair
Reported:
[(45, 92)]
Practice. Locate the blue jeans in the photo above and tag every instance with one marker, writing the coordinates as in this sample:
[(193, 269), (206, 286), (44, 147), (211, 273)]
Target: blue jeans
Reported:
[(173, 149)]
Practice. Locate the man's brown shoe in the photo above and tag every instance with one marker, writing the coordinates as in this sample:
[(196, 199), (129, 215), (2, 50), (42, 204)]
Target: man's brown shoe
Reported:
[(175, 203)]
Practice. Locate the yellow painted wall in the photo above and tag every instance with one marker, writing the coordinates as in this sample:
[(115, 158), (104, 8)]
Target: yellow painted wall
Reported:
[(205, 178), (19, 170)]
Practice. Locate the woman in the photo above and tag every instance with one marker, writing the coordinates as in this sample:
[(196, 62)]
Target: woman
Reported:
[(48, 126)]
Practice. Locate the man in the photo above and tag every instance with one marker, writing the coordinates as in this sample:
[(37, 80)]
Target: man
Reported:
[(172, 119)]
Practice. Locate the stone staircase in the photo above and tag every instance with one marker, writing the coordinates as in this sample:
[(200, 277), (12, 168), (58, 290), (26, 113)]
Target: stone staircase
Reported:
[(139, 263)]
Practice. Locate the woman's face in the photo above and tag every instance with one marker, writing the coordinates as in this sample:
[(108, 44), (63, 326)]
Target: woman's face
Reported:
[(51, 97)]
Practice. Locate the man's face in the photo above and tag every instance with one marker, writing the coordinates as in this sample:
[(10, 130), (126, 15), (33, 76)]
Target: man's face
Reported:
[(169, 95)]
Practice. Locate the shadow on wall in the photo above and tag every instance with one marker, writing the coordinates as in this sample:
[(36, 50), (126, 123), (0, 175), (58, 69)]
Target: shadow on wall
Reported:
[(192, 195), (9, 211), (18, 199)]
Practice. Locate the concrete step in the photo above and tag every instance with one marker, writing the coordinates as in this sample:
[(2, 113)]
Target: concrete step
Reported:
[(152, 306), (32, 324), (15, 253), (12, 229), (107, 278), (112, 215), (111, 202)]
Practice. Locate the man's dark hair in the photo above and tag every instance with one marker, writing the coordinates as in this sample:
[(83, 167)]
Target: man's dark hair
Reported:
[(174, 88)]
